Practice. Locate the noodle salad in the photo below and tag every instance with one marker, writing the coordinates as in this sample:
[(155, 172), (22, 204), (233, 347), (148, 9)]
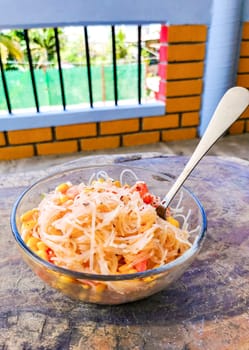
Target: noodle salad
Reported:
[(104, 227)]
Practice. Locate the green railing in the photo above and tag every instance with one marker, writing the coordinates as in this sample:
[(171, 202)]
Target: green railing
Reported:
[(76, 85)]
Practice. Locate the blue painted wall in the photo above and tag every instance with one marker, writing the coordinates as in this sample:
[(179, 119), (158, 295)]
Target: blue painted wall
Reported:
[(245, 12), (222, 55), (223, 39), (31, 13)]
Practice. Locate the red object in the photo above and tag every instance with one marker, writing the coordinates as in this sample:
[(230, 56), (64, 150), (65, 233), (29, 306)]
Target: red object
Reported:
[(162, 88), (148, 198), (164, 33), (162, 66), (162, 70), (142, 188), (141, 266), (163, 53)]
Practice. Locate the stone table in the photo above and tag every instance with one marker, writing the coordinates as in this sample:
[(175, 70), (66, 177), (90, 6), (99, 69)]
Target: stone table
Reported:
[(207, 308)]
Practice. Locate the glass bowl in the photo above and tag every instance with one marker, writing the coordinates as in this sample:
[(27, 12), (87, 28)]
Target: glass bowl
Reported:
[(116, 288)]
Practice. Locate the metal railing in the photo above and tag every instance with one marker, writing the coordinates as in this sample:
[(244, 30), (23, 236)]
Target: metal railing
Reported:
[(137, 98)]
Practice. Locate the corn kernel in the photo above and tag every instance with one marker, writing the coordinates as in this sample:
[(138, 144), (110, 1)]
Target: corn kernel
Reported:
[(28, 215), (64, 282), (123, 268), (28, 224), (87, 189), (76, 233), (103, 208), (66, 279), (126, 269), (25, 234), (100, 287), (117, 183), (62, 187), (149, 279), (173, 221), (42, 246), (63, 199), (32, 243), (95, 298), (42, 254)]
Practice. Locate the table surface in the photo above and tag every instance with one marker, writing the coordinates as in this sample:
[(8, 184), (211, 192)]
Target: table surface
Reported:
[(207, 308)]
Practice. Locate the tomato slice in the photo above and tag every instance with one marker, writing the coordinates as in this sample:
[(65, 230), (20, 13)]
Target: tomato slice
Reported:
[(148, 198), (141, 187), (141, 266)]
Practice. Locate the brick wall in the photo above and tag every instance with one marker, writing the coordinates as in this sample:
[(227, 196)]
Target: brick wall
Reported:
[(242, 124), (181, 70), (182, 56)]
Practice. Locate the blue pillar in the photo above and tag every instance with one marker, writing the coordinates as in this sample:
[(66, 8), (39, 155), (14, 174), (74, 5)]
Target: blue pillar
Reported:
[(222, 55)]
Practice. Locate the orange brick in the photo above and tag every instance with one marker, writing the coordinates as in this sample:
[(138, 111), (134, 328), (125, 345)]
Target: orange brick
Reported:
[(98, 143), (185, 70), (245, 31), (2, 139), (162, 122), (184, 87), (29, 136), (237, 127), (244, 48), (16, 152), (187, 33), (187, 52), (243, 80), (183, 104), (58, 147), (243, 65), (179, 134), (190, 119), (119, 126), (245, 114), (75, 131), (143, 138)]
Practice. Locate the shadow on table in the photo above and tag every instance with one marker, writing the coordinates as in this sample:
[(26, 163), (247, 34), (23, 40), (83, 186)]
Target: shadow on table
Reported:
[(203, 292), (210, 299)]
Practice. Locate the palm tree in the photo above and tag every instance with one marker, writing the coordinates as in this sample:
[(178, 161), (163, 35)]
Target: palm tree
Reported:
[(42, 45), (10, 49)]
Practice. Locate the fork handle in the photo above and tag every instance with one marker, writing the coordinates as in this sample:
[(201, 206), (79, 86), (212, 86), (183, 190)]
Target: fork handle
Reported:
[(230, 107)]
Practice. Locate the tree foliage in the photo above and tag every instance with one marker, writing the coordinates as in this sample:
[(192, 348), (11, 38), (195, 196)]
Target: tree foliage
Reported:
[(10, 49), (42, 46), (43, 49)]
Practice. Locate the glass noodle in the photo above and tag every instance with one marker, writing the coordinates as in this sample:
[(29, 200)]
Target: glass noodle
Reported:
[(105, 226)]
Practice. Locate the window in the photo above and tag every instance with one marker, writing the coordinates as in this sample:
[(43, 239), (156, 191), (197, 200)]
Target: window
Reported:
[(63, 75)]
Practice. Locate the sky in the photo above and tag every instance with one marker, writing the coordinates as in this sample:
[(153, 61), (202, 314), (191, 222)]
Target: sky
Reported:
[(102, 33)]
